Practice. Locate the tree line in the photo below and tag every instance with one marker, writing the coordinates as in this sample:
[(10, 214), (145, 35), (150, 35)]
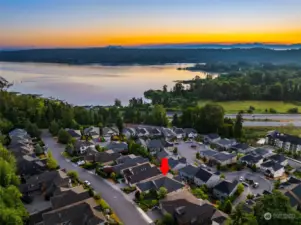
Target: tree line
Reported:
[(237, 82)]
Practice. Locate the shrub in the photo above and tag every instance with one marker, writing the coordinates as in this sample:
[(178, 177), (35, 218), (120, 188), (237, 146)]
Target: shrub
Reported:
[(293, 110), (89, 166), (76, 159), (91, 192), (272, 110), (252, 108), (97, 197), (73, 175)]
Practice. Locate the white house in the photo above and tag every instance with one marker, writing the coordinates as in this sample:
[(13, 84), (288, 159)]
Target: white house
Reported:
[(205, 177), (225, 189), (272, 169)]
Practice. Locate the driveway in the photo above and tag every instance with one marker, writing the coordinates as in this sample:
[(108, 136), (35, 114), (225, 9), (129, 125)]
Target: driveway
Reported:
[(121, 204), (264, 184), (185, 150)]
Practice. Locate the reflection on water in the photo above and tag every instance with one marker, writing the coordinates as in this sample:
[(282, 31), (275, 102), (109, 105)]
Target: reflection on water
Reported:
[(94, 84)]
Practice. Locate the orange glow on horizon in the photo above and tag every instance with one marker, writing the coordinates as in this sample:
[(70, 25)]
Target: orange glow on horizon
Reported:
[(93, 39)]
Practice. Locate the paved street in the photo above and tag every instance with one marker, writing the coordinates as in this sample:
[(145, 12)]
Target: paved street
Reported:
[(125, 209), (185, 150), (264, 184)]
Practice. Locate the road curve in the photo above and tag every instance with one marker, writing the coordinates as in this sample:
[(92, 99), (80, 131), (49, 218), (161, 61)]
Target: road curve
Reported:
[(124, 208)]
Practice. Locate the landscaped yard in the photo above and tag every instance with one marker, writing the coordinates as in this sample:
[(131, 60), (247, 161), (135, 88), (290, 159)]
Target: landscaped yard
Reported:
[(260, 106)]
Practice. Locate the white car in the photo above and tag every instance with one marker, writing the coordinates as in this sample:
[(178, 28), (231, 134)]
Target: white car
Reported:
[(241, 179), (87, 183), (255, 185), (79, 163)]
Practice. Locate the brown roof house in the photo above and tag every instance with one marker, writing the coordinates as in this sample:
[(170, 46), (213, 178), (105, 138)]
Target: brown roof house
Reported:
[(188, 210), (139, 173)]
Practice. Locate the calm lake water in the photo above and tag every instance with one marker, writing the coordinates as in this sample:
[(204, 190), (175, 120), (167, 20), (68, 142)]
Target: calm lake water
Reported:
[(94, 84)]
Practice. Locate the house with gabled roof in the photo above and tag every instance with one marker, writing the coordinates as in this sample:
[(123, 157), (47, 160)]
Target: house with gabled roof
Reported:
[(272, 169), (225, 189), (188, 172), (205, 177), (170, 184)]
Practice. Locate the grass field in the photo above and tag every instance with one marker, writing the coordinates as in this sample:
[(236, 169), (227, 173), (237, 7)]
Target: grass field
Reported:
[(260, 106)]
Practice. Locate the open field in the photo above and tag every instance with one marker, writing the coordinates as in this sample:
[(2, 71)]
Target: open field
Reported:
[(260, 106), (252, 134)]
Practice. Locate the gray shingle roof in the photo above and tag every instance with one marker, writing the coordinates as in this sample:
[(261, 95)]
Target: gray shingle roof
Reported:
[(190, 170), (223, 156), (155, 143), (203, 175), (170, 184), (226, 186), (272, 164)]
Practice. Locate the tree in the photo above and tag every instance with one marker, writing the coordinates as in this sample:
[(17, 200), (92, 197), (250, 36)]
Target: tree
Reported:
[(227, 207), (117, 103), (175, 151), (277, 184), (32, 129), (162, 192), (238, 126), (222, 176), (167, 220), (240, 188), (64, 137), (73, 175), (276, 204), (51, 162), (175, 120), (240, 217), (54, 128), (38, 149), (165, 88), (113, 176), (120, 125), (197, 155)]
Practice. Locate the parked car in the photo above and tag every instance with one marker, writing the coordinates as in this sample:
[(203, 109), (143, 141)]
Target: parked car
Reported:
[(241, 179), (245, 184), (79, 163), (203, 165), (255, 185), (87, 183)]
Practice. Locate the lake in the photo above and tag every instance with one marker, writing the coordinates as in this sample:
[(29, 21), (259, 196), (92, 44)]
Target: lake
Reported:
[(92, 84)]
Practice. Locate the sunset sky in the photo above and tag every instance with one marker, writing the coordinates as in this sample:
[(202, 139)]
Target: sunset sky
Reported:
[(87, 23)]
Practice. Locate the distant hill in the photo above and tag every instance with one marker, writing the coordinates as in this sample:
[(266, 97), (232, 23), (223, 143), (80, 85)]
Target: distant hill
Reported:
[(122, 56), (223, 46)]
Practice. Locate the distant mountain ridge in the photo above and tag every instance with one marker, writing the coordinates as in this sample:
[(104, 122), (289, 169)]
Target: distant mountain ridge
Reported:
[(179, 46), (225, 46), (152, 56)]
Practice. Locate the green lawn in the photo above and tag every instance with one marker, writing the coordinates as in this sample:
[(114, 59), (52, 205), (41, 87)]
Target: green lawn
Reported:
[(260, 106)]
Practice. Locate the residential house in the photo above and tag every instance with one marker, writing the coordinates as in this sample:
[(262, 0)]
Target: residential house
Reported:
[(93, 132), (252, 160), (188, 172), (168, 145), (263, 152), (272, 168), (163, 154), (28, 165), (105, 158), (18, 133), (225, 189), (224, 144), (224, 158), (81, 147), (125, 162), (278, 158), (187, 209), (177, 164), (141, 173), (155, 132), (129, 132), (294, 195), (171, 185), (241, 148), (154, 146), (211, 138), (118, 147), (142, 132), (142, 142), (108, 132), (87, 211), (284, 141), (208, 154), (168, 133), (205, 177), (180, 133), (190, 133), (45, 182), (74, 133)]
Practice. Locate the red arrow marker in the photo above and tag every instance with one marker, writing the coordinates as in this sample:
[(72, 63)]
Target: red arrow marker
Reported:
[(164, 166)]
